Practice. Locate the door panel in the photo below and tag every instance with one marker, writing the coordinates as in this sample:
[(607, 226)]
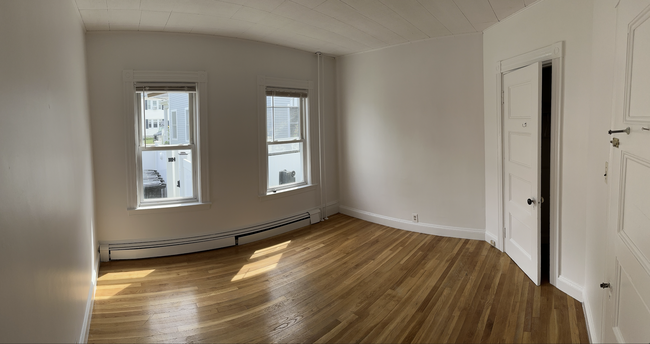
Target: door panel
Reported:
[(518, 148), (521, 130), (627, 317), (635, 206)]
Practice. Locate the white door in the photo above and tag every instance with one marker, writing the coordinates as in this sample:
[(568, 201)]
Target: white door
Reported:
[(627, 317), (521, 172)]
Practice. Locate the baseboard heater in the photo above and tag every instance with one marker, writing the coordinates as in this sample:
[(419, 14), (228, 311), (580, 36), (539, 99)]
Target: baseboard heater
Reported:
[(170, 247)]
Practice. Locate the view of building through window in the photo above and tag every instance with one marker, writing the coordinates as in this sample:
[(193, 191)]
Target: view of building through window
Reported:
[(166, 145)]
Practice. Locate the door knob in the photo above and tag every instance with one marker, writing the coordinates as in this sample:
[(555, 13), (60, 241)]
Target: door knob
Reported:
[(530, 201)]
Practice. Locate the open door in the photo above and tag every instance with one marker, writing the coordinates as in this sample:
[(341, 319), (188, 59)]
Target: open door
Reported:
[(521, 167), (627, 317)]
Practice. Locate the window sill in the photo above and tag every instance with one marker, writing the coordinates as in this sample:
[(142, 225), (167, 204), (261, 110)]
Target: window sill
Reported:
[(289, 192), (169, 208)]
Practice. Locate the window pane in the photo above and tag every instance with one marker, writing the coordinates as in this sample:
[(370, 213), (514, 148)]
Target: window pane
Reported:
[(167, 174), (285, 164), (283, 118), (160, 107), (281, 124)]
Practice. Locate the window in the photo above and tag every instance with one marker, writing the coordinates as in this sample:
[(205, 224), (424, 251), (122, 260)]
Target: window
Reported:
[(285, 152), (167, 170), (152, 104)]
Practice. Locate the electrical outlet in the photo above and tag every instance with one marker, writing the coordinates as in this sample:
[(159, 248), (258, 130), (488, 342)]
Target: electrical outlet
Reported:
[(493, 243), (414, 218)]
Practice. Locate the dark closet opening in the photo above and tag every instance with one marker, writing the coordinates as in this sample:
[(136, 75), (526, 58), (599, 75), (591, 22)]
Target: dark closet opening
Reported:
[(545, 137)]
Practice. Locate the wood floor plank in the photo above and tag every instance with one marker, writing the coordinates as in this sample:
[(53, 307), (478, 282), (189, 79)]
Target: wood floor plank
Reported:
[(341, 280)]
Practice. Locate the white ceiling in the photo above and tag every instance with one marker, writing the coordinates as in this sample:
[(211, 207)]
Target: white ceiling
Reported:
[(334, 27)]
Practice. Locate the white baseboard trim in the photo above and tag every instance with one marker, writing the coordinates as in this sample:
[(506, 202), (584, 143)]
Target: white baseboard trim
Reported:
[(594, 336), (570, 287), (420, 227), (332, 208), (90, 303), (489, 236)]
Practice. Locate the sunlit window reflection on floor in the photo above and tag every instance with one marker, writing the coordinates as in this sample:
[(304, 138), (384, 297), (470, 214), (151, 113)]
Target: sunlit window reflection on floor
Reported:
[(257, 267), (106, 291), (124, 275), (269, 250)]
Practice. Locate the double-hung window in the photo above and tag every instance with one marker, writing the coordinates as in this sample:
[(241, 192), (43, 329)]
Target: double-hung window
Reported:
[(168, 166), (286, 145)]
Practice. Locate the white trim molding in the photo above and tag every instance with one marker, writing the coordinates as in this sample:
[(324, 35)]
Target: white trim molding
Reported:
[(570, 287), (90, 303), (491, 237), (420, 227), (553, 51), (594, 336), (331, 208)]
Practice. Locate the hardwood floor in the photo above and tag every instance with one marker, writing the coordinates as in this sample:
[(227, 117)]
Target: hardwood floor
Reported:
[(343, 280)]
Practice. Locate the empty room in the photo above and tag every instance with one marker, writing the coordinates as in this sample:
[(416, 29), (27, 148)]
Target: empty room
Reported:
[(377, 171)]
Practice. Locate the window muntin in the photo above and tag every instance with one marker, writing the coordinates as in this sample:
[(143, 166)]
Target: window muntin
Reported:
[(285, 138), (187, 122), (167, 173)]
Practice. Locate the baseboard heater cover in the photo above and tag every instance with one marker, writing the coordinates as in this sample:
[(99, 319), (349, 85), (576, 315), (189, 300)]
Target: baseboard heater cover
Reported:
[(170, 247)]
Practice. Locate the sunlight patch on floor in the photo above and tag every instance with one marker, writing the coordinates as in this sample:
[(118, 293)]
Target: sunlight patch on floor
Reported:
[(124, 275), (105, 292), (257, 268), (269, 250)]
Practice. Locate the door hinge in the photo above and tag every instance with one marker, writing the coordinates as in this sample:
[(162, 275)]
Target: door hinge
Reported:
[(502, 97), (504, 232)]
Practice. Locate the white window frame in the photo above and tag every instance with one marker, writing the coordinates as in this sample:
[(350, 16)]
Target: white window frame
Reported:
[(187, 122), (135, 190), (262, 83)]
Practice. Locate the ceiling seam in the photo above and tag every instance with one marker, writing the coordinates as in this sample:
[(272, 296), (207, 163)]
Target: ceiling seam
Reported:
[(348, 25), (464, 15), (408, 21), (433, 15), (328, 30), (495, 13), (374, 21), (366, 32)]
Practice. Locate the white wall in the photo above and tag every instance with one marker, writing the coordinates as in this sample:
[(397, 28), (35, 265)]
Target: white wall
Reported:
[(47, 249), (411, 135), (233, 66), (596, 196), (540, 25)]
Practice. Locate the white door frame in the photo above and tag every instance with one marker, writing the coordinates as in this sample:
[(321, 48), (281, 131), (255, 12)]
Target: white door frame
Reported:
[(553, 53)]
